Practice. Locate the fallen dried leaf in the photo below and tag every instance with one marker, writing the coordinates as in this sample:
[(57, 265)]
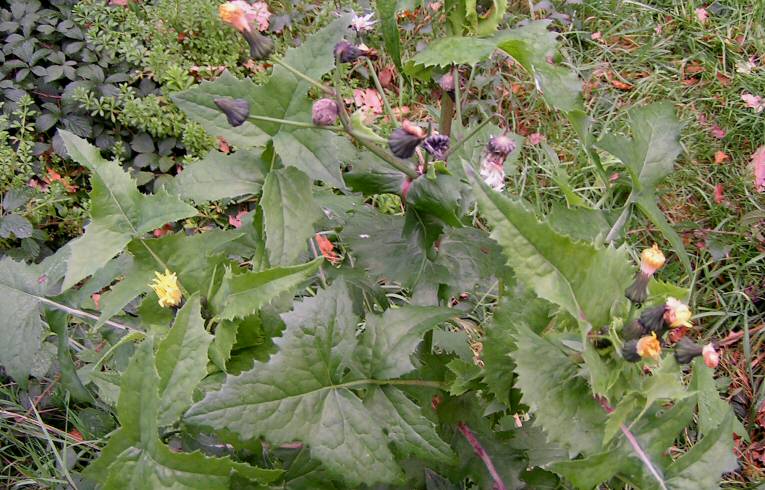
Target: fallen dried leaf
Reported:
[(758, 164), (721, 157), (719, 194), (702, 15), (327, 249)]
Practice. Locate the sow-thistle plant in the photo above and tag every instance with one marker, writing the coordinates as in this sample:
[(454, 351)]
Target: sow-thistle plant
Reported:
[(363, 368), (651, 260)]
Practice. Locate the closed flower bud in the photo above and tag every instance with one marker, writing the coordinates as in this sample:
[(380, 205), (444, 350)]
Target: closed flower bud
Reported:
[(638, 290), (629, 351), (648, 347), (711, 356), (347, 52), (634, 331), (404, 140), (446, 82), (677, 314), (324, 112), (686, 350), (261, 46), (437, 145), (236, 110), (652, 320)]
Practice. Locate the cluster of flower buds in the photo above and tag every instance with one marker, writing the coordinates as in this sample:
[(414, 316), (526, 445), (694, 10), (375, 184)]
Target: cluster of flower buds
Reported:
[(686, 350), (324, 112), (242, 16), (404, 140), (236, 110), (493, 161), (348, 53), (659, 320), (651, 260)]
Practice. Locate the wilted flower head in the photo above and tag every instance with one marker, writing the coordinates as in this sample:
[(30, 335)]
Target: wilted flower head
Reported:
[(362, 23), (501, 145), (651, 260), (347, 52), (242, 15), (686, 350), (677, 314), (648, 346), (167, 289), (324, 112), (404, 140), (711, 356), (236, 110), (493, 174), (437, 145)]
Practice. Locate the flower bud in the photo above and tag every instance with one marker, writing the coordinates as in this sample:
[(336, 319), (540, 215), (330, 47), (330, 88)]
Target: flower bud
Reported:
[(711, 356), (501, 145), (638, 290), (261, 46), (446, 82), (677, 314), (437, 145), (404, 140), (347, 52), (629, 351), (686, 350), (652, 320), (236, 110), (324, 112), (634, 331), (648, 346)]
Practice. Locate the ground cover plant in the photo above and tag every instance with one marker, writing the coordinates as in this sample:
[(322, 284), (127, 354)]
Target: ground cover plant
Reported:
[(448, 245)]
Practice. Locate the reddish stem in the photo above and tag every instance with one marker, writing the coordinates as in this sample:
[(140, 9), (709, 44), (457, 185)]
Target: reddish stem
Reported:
[(481, 453)]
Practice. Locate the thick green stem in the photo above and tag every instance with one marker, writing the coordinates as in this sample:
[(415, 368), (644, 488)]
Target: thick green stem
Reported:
[(305, 77), (457, 95), (296, 124), (472, 133), (447, 114)]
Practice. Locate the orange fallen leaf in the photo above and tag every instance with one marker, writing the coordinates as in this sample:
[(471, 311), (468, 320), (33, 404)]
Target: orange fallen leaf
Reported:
[(327, 249), (723, 79), (719, 194), (76, 435), (721, 157), (758, 164)]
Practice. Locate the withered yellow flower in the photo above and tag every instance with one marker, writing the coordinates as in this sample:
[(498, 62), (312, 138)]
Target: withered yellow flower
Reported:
[(677, 314), (651, 260), (167, 289), (649, 346)]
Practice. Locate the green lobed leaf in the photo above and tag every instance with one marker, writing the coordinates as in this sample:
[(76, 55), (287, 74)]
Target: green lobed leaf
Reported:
[(456, 50), (135, 458), (22, 290), (182, 361), (220, 176), (119, 212), (302, 394), (289, 212), (243, 294), (583, 279)]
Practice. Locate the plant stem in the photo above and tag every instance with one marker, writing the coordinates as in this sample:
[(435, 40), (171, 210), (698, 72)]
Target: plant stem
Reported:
[(472, 133), (297, 124), (620, 222), (457, 95), (303, 76), (447, 114), (84, 314), (481, 453), (379, 87)]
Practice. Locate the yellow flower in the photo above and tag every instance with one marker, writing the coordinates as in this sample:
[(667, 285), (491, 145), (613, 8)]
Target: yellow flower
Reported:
[(166, 287), (677, 314), (651, 260), (649, 346)]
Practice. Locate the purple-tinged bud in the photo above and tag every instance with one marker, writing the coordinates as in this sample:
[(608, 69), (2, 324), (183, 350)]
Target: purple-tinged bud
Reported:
[(347, 52), (630, 351), (501, 145), (686, 350), (324, 112), (633, 330), (437, 145), (261, 46), (236, 110), (446, 82), (404, 140), (652, 320)]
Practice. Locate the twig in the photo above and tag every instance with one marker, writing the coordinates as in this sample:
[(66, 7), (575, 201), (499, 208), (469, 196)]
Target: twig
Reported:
[(732, 338), (472, 133), (61, 463), (481, 453)]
